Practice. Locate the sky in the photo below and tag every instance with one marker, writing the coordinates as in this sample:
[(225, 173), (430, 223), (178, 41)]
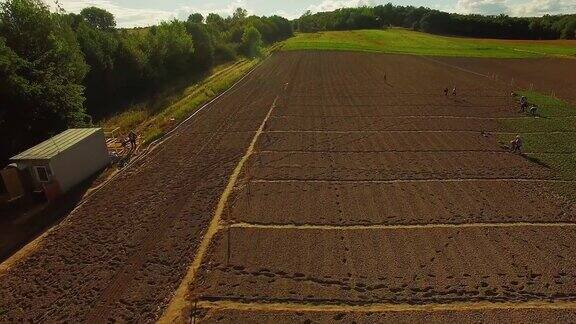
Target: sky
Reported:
[(131, 13)]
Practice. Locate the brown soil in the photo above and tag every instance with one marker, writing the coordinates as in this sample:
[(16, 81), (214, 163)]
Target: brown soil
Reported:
[(473, 316), (122, 254), (349, 203), (397, 265), (379, 166), (371, 123), (546, 75), (410, 141)]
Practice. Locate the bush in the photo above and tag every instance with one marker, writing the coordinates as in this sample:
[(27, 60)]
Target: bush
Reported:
[(251, 42), (224, 52)]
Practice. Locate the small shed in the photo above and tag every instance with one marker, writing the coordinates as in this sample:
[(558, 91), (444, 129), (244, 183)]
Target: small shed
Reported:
[(60, 163)]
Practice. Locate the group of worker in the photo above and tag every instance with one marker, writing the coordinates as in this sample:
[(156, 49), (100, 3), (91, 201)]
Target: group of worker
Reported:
[(517, 143), (533, 110)]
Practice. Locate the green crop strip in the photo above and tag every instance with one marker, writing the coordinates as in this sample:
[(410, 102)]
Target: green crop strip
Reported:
[(555, 143)]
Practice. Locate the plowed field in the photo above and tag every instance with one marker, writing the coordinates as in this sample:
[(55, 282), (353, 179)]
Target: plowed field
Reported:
[(547, 75), (323, 187), (371, 198)]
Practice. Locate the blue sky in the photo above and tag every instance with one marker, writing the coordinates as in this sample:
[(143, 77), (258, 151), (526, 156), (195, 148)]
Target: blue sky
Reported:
[(131, 13)]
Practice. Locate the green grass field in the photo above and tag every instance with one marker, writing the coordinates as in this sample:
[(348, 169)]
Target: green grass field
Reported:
[(553, 138), (401, 41)]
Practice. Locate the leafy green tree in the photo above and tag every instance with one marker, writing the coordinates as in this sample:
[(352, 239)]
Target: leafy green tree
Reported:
[(306, 22), (100, 50), (216, 21), (41, 69), (171, 50), (239, 15), (196, 18), (130, 78), (284, 27), (434, 21), (252, 42), (98, 18), (569, 29), (203, 57)]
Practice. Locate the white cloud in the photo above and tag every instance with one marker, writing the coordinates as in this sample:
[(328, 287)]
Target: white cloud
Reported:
[(485, 7), (329, 5), (287, 15), (125, 17), (516, 8), (131, 17), (543, 7)]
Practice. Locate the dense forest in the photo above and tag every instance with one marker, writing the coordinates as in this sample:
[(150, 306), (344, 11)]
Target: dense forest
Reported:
[(438, 22), (60, 70)]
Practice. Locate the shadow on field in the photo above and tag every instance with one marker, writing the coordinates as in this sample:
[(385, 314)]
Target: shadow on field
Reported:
[(536, 160), (23, 221)]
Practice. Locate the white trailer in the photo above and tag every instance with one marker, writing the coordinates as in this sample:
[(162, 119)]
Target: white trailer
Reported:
[(62, 162)]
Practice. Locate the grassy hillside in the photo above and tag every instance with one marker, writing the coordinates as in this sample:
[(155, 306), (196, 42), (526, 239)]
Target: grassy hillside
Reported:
[(403, 41), (152, 122)]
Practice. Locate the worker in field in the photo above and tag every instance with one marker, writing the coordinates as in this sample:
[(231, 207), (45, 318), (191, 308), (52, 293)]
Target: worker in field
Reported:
[(523, 104), (454, 91), (533, 110), (516, 144), (446, 92), (132, 137)]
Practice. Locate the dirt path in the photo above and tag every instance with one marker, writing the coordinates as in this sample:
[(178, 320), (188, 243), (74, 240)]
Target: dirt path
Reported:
[(177, 306)]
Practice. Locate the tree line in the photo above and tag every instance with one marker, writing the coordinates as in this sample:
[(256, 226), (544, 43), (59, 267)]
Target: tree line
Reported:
[(438, 22), (61, 70)]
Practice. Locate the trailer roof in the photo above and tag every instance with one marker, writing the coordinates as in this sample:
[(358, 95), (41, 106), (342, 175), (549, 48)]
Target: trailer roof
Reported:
[(53, 146)]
